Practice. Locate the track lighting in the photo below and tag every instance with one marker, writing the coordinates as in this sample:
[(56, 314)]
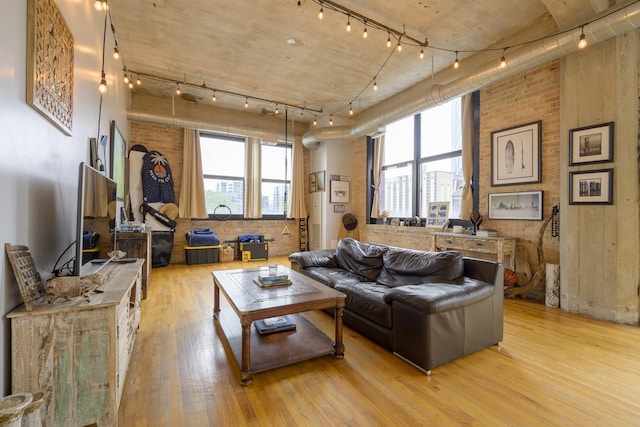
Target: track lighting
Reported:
[(583, 39), (456, 64)]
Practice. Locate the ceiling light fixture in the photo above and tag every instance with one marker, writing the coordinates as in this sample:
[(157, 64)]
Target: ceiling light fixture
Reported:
[(456, 64), (364, 33), (126, 78), (246, 103), (138, 81), (421, 56), (213, 97), (375, 85), (321, 13), (583, 39), (103, 84), (388, 39), (177, 88), (315, 120), (277, 111), (330, 119), (101, 5), (350, 110), (116, 53), (348, 23)]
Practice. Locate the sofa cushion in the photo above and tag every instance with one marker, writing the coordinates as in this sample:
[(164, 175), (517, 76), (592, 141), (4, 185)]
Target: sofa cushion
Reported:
[(413, 267), (364, 259), (332, 276), (367, 299), (321, 258)]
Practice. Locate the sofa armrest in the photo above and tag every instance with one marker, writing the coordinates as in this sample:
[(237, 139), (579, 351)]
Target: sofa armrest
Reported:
[(321, 258), (440, 297)]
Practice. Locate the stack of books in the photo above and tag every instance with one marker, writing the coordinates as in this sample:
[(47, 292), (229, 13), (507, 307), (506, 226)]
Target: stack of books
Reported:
[(268, 281), (275, 324), (486, 233)]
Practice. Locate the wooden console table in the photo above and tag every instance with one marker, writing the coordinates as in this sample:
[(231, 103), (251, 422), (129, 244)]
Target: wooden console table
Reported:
[(500, 247), (77, 352)]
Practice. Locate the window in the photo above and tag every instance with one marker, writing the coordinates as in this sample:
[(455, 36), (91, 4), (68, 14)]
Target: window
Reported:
[(223, 169), (423, 162), (223, 165), (276, 179)]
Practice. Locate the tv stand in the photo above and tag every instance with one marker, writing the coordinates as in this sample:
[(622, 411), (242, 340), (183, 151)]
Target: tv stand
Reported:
[(137, 245), (78, 351)]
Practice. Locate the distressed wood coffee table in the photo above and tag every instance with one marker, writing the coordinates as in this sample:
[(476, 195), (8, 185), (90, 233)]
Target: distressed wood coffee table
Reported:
[(250, 302)]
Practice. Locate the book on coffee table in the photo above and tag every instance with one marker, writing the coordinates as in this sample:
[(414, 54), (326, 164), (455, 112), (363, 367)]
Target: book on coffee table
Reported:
[(267, 281), (275, 324)]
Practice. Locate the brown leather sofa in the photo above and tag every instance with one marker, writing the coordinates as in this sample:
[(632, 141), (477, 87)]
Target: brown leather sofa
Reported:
[(427, 307)]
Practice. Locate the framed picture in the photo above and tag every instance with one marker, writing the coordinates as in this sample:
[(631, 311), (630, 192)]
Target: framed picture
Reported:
[(591, 144), (520, 205), (515, 155), (104, 154), (320, 180), (591, 187), (50, 57), (312, 183), (339, 192), (118, 166), (338, 208), (438, 213)]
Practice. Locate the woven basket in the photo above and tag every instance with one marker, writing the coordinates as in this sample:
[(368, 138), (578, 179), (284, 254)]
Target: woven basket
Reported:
[(226, 254)]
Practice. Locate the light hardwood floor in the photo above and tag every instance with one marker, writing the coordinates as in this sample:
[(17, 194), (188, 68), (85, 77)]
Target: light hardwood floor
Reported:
[(553, 369)]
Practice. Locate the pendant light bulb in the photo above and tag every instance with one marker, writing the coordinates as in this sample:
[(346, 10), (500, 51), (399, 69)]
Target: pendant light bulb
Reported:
[(213, 97), (277, 111), (364, 33), (350, 110), (138, 82), (456, 64), (321, 13), (299, 3), (178, 89), (331, 120), (103, 85), (315, 120), (116, 53), (399, 47), (246, 103), (583, 40), (130, 84), (421, 56), (375, 85), (348, 23), (388, 39), (101, 5), (503, 60), (126, 78)]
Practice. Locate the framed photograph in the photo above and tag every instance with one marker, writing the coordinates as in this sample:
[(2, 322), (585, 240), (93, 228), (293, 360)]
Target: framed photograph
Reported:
[(591, 144), (339, 192), (118, 166), (515, 155), (520, 205), (591, 187), (338, 208), (312, 183), (50, 57), (320, 180), (438, 213)]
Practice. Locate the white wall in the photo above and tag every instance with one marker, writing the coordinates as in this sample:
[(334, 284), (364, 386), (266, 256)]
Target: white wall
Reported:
[(38, 163)]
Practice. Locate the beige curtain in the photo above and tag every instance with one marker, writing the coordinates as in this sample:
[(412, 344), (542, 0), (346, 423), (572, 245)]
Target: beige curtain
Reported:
[(252, 179), (378, 154), (467, 156), (192, 201), (297, 208)]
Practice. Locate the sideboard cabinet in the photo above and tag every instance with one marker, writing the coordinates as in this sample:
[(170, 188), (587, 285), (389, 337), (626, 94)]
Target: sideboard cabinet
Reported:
[(77, 352)]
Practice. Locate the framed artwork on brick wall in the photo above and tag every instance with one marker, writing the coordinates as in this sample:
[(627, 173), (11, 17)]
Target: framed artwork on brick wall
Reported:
[(515, 155)]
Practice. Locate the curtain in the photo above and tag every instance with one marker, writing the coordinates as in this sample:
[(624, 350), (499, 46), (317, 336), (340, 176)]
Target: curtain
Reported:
[(252, 179), (297, 208), (467, 156), (192, 202), (378, 154)]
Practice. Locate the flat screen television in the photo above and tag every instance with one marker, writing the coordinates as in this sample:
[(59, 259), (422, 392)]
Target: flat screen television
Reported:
[(96, 213)]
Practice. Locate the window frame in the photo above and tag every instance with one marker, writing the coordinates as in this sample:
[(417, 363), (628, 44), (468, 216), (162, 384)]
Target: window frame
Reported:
[(418, 161), (286, 181)]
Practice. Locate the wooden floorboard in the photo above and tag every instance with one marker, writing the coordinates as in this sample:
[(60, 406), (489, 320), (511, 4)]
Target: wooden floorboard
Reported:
[(553, 369)]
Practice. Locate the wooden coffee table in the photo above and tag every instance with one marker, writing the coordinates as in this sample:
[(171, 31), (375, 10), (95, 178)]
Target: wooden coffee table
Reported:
[(250, 302)]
